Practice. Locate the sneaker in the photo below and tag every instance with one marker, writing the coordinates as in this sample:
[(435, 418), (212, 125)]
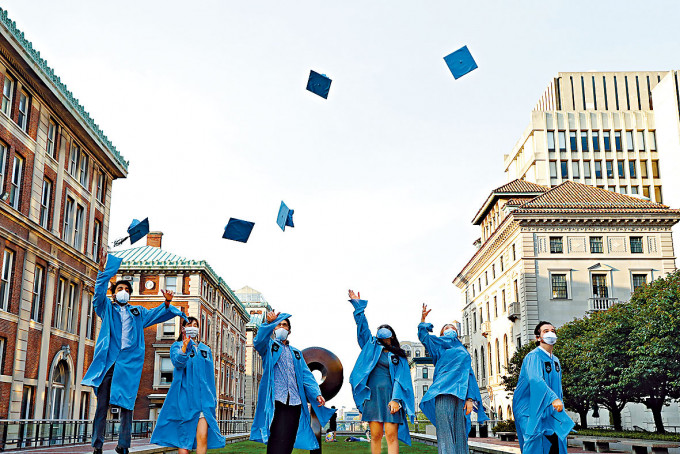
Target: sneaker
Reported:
[(121, 450), (97, 451)]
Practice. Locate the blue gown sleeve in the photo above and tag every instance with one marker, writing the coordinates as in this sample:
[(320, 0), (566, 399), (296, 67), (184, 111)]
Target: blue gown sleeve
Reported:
[(99, 301), (363, 332), (179, 359), (424, 330), (160, 314), (263, 340), (312, 389)]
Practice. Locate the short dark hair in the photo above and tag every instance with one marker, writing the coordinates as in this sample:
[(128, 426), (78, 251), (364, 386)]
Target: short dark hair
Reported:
[(537, 330), (122, 282), (185, 323), (286, 320)]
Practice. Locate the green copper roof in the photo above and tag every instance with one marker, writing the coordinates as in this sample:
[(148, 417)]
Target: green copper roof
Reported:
[(63, 89), (153, 257)]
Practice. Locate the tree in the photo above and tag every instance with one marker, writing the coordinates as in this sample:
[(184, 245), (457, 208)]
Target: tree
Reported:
[(509, 381), (653, 372)]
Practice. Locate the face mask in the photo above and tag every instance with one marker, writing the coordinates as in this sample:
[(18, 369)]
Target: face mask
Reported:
[(281, 334), (383, 333), (450, 332), (122, 297), (191, 331), (550, 338)]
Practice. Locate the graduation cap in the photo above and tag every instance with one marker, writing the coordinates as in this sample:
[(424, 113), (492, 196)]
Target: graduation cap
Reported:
[(460, 62), (238, 230), (319, 84), (285, 217), (136, 231)]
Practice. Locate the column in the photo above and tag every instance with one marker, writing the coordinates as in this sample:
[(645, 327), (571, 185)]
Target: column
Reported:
[(40, 395)]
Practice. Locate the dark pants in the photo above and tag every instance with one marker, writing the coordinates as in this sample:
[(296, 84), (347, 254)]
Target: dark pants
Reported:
[(554, 444), (99, 429), (284, 428)]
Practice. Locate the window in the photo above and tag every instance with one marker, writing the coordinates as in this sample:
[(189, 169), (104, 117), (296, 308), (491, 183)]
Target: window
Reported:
[(89, 323), (79, 227), (6, 279), (639, 280), (96, 239), (514, 257), (7, 94), (596, 141), (84, 159), (607, 141), (498, 358), (425, 372), (516, 291), (631, 169), (45, 201), (59, 309), (641, 140), (15, 189), (636, 245), (559, 286), (596, 246), (74, 159), (51, 133), (575, 170), (424, 389), (24, 106), (207, 332), (586, 169), (36, 305), (584, 141), (551, 141), (572, 141), (166, 370), (27, 404), (101, 193), (621, 168), (652, 140), (629, 140), (486, 278), (562, 141), (502, 266), (564, 172), (556, 245), (495, 306), (643, 169), (171, 283), (553, 169), (3, 161), (655, 170), (417, 353), (68, 222), (600, 286), (505, 306), (169, 327), (598, 169), (493, 271), (71, 304), (617, 141), (645, 191)]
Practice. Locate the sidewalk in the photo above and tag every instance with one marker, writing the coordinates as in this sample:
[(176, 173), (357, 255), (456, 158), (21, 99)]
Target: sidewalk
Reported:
[(140, 446)]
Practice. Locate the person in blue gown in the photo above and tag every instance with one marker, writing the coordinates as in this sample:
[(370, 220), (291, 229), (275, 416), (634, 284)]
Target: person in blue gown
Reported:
[(454, 392), (381, 382), (116, 367), (282, 418), (541, 422), (187, 420)]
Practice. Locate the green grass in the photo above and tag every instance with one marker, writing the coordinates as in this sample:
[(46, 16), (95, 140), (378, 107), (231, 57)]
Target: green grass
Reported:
[(339, 447), (628, 434)]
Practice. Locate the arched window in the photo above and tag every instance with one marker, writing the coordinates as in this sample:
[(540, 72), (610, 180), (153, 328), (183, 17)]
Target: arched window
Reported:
[(500, 413), (481, 354), (476, 365), (498, 358), (60, 381), (510, 412), (490, 361), (505, 347)]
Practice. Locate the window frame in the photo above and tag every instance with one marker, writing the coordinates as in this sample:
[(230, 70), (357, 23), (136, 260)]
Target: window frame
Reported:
[(50, 148), (636, 250), (556, 242), (38, 293), (23, 115), (561, 292), (6, 276), (15, 183), (8, 95), (45, 204), (601, 244)]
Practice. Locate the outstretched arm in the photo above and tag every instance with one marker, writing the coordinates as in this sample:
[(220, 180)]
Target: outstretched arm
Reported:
[(424, 336), (162, 313), (363, 331), (107, 269), (263, 339)]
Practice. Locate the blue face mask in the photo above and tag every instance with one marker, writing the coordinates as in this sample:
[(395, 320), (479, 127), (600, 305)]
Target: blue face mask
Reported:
[(450, 332), (383, 333)]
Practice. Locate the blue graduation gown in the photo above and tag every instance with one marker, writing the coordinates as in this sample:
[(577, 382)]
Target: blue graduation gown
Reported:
[(402, 387), (128, 361), (452, 374), (192, 391), (539, 384), (270, 351)]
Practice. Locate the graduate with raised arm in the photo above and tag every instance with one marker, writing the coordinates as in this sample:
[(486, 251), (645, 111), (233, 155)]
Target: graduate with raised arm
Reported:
[(454, 392), (282, 420), (187, 420), (381, 382), (116, 367), (541, 422)]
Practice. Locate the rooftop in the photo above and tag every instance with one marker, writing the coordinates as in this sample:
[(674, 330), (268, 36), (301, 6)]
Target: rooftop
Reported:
[(515, 190)]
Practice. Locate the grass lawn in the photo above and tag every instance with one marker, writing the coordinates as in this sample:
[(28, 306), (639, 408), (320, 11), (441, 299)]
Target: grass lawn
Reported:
[(339, 447)]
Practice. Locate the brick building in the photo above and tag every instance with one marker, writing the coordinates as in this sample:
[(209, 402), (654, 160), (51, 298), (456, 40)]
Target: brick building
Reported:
[(56, 172), (200, 293)]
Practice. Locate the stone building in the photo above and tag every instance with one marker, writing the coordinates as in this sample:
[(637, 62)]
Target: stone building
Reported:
[(200, 292), (56, 174)]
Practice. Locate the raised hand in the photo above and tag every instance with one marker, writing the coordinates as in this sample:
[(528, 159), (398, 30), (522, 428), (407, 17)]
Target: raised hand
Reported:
[(354, 296), (321, 401), (168, 296), (271, 316), (425, 313)]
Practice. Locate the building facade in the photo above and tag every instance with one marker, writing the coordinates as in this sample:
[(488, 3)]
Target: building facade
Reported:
[(200, 292), (257, 307), (56, 174), (554, 254), (422, 371)]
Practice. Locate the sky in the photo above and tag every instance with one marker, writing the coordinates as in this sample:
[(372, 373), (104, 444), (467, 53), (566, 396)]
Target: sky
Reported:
[(207, 101)]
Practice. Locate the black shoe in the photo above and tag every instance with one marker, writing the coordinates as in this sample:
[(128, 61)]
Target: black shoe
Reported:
[(121, 450), (97, 451)]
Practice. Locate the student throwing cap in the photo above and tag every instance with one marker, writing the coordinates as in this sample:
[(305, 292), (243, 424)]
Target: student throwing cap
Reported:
[(381, 382), (187, 420), (116, 367), (282, 418), (542, 424), (454, 393)]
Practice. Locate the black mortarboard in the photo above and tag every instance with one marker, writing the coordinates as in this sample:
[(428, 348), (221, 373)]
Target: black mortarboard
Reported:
[(238, 230), (319, 84)]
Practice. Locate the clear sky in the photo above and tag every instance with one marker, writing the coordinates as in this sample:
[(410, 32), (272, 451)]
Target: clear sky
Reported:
[(207, 101)]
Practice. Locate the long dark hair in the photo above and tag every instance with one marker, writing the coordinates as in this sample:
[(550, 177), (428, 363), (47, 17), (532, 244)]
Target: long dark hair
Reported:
[(395, 347), (185, 323)]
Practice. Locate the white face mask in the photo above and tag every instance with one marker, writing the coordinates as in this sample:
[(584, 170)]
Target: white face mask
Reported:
[(281, 334), (550, 338), (122, 297), (191, 331), (450, 332)]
